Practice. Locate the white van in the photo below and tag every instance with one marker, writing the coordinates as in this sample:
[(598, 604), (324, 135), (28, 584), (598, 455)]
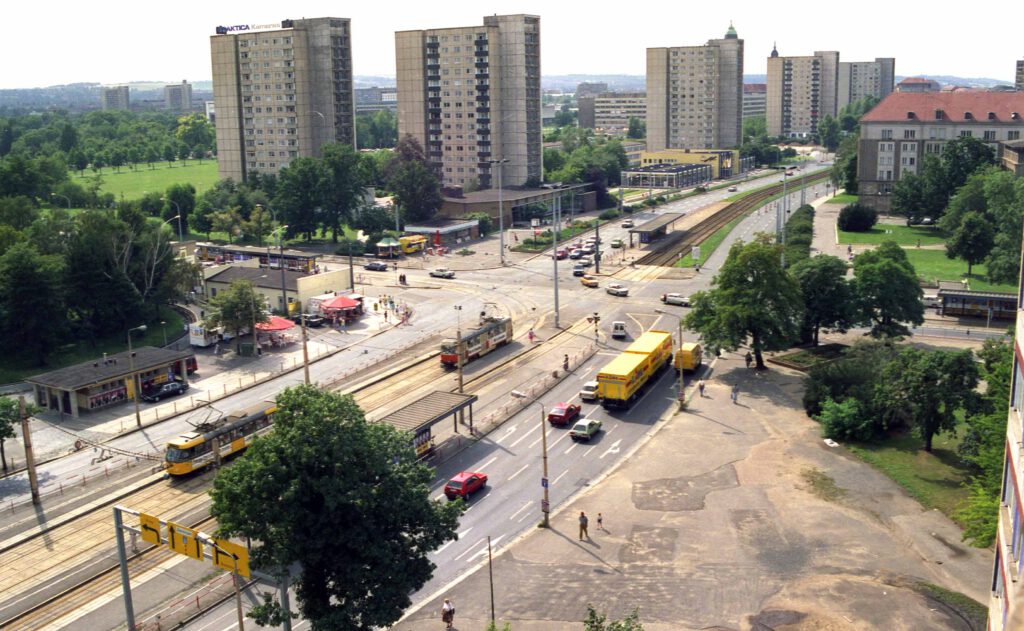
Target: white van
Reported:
[(589, 391), (618, 329)]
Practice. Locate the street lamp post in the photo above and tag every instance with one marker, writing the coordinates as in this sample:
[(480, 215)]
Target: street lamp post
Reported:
[(163, 327), (131, 368), (280, 245), (545, 507), (66, 198), (679, 359), (501, 208), (177, 208)]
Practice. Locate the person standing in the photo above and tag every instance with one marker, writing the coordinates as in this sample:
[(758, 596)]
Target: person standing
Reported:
[(700, 388), (748, 358), (735, 393), (448, 613), (583, 526), (600, 522), (565, 363)]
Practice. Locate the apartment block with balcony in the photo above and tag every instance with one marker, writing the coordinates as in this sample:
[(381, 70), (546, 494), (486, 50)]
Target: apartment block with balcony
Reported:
[(755, 100), (471, 96), (281, 93), (116, 97), (859, 79), (801, 90), (695, 95), (178, 96), (906, 127), (610, 112)]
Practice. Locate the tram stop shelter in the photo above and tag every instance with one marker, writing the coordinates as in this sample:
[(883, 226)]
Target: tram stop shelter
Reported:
[(108, 381), (655, 228), (421, 415), (957, 300)]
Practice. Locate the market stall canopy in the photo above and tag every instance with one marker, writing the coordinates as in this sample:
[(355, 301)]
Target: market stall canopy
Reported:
[(276, 323), (388, 242), (340, 302)]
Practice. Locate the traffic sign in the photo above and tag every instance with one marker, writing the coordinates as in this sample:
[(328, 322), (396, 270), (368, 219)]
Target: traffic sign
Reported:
[(231, 556), (150, 528), (184, 540), (544, 508), (544, 482)]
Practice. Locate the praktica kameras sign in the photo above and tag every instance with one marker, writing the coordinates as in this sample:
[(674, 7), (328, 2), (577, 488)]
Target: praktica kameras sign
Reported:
[(237, 28)]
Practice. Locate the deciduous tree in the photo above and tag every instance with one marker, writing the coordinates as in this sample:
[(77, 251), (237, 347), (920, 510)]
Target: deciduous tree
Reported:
[(354, 510), (887, 290), (30, 296), (416, 189), (237, 308), (828, 297), (972, 240)]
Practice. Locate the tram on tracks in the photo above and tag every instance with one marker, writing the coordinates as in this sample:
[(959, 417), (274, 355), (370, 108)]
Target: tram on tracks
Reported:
[(231, 434), (493, 333)]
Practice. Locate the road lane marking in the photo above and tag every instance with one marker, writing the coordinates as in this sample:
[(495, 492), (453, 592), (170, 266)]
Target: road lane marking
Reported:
[(614, 449), (525, 506), (560, 477), (587, 452), (525, 435), (494, 542), (571, 447), (461, 535), (469, 549), (508, 431), (518, 472), (489, 462)]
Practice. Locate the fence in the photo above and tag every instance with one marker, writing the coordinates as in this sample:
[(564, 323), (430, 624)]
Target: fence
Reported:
[(190, 605)]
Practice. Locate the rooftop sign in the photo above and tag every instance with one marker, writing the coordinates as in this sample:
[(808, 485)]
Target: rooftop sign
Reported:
[(237, 28)]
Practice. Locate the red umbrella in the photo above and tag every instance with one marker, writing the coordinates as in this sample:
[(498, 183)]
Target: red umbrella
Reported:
[(437, 238), (340, 302), (276, 323)]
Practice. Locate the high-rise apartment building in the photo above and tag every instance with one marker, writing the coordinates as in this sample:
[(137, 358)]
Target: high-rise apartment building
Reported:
[(800, 91), (695, 95), (610, 112), (754, 100), (589, 88), (858, 79), (116, 97), (471, 95), (178, 96), (281, 93), (1020, 75)]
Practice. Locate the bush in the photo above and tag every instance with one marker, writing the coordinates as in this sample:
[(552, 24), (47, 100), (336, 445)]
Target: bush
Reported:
[(845, 421), (486, 223), (857, 218), (358, 247), (609, 214)]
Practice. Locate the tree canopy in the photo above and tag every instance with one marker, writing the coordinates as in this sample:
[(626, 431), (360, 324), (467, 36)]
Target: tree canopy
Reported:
[(752, 297), (887, 290), (416, 188), (352, 508), (972, 240), (237, 308), (828, 297)]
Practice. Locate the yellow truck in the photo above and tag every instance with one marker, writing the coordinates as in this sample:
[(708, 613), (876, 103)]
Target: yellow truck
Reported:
[(620, 382), (688, 357)]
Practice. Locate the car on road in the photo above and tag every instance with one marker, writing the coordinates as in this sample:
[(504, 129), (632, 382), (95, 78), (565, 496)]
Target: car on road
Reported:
[(376, 266), (563, 413), (617, 243), (169, 389), (561, 253), (617, 289), (579, 269), (442, 272), (627, 223), (732, 189), (588, 248), (464, 484), (576, 253), (585, 429), (675, 299), (618, 329), (589, 281), (589, 391)]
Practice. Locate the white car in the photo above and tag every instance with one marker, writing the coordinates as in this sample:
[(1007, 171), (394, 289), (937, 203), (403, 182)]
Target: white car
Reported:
[(617, 289), (675, 299), (442, 272), (589, 391)]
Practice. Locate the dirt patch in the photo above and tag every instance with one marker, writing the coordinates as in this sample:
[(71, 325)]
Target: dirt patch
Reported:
[(679, 494), (649, 545), (822, 485)]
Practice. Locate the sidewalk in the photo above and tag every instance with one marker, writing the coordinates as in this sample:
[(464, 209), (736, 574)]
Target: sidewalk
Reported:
[(727, 517)]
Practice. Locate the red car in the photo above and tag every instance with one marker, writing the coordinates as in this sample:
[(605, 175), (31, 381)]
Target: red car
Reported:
[(561, 253), (563, 414), (464, 484)]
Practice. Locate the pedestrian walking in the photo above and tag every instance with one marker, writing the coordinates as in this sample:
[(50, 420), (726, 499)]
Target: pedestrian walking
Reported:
[(565, 363), (748, 358), (700, 388), (583, 526), (216, 349), (600, 522), (385, 316), (735, 393), (530, 335), (448, 613)]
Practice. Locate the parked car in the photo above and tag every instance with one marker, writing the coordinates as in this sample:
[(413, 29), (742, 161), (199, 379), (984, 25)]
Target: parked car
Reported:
[(312, 319), (617, 243), (464, 484), (579, 269), (169, 389), (627, 223), (376, 266), (589, 391), (563, 413), (585, 429), (589, 281), (442, 272), (675, 299), (732, 189), (617, 289)]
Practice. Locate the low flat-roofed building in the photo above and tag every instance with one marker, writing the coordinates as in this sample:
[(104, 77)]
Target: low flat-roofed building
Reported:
[(724, 162), (520, 204), (298, 286), (108, 381)]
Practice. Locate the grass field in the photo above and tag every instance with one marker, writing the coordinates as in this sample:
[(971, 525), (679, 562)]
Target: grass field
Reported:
[(932, 265), (709, 245), (133, 184), (844, 199), (935, 479), (901, 234), (14, 370)]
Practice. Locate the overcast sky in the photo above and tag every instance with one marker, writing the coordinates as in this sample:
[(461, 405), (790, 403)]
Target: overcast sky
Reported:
[(46, 43)]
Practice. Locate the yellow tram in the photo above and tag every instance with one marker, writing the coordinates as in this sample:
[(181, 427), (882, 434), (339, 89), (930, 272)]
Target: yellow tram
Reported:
[(233, 433)]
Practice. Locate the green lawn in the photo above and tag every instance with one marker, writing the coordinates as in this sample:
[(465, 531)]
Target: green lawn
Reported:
[(932, 265), (901, 234), (708, 246), (844, 198), (133, 184), (935, 479), (14, 369)]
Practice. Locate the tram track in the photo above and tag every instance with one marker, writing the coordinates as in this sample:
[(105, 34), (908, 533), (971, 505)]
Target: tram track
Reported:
[(674, 248)]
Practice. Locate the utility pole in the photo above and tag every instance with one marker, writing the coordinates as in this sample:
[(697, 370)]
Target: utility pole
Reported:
[(597, 246), (458, 361), (556, 215), (305, 349), (30, 461)]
